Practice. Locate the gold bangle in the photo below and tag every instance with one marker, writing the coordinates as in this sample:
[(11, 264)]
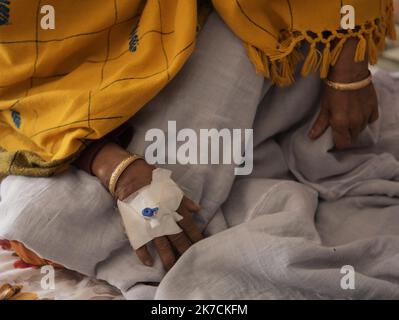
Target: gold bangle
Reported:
[(349, 86), (7, 291), (119, 170)]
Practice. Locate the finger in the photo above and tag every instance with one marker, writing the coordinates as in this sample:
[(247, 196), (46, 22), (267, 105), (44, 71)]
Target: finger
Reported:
[(342, 138), (364, 123), (190, 227), (355, 131), (356, 127), (190, 205), (321, 124), (165, 252), (144, 256), (374, 115), (339, 122), (180, 242)]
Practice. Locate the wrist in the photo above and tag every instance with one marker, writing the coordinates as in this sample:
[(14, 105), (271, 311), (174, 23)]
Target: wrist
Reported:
[(106, 161), (134, 177), (346, 69), (348, 75)]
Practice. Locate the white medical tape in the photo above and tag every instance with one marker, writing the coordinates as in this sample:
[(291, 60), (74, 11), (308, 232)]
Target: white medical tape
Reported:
[(151, 211)]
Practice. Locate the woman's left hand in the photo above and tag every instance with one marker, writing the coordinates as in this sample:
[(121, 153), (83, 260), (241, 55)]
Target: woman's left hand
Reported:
[(347, 112)]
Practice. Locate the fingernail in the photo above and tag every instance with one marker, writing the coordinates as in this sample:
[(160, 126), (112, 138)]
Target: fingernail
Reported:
[(148, 263), (311, 133)]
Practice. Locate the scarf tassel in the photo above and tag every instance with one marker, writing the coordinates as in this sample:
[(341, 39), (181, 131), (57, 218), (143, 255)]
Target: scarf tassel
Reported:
[(390, 25), (325, 61), (280, 67), (312, 60), (379, 40), (372, 49), (360, 53), (4, 11), (276, 72), (259, 59), (336, 51)]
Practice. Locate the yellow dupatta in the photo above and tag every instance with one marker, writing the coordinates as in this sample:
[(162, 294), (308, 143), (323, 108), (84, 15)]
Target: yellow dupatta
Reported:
[(272, 30), (107, 58)]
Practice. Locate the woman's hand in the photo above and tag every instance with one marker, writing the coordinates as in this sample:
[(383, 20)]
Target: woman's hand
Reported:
[(136, 176), (168, 245), (347, 112)]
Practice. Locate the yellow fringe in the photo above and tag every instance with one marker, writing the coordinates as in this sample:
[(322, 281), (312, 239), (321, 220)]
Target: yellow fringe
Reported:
[(360, 53), (325, 61), (335, 53), (286, 71), (372, 49), (259, 59), (390, 24), (295, 57), (312, 60), (266, 64), (380, 42), (280, 67)]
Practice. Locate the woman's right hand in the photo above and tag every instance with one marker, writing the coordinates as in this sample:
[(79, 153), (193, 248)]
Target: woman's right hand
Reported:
[(136, 176)]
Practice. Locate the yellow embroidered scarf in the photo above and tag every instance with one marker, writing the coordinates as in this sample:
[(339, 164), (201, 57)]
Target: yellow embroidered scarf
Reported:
[(105, 59)]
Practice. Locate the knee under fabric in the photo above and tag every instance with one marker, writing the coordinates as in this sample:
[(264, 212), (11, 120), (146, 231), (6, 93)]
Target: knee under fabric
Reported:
[(151, 211)]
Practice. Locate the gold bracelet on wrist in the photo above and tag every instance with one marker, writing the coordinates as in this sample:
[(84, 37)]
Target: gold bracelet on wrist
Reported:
[(349, 86), (119, 170)]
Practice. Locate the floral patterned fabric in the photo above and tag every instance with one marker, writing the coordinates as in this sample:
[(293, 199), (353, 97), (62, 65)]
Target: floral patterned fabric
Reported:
[(68, 285)]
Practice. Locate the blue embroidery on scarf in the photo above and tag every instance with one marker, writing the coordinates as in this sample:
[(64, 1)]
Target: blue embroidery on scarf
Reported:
[(4, 11), (16, 117), (134, 39)]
